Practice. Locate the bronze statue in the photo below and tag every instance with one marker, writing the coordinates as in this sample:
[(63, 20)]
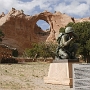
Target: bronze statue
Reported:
[(67, 48)]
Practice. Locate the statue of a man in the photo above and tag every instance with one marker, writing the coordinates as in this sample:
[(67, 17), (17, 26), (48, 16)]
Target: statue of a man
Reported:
[(67, 49)]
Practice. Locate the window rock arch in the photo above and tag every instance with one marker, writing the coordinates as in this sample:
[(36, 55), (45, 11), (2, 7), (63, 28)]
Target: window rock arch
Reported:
[(21, 30)]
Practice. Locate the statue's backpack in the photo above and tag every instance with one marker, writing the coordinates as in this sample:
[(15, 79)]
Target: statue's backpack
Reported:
[(58, 41), (59, 37)]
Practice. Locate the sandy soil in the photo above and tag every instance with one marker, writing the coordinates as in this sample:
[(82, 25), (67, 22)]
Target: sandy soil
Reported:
[(26, 76)]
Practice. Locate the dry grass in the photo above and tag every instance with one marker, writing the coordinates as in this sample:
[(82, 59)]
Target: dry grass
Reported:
[(26, 76)]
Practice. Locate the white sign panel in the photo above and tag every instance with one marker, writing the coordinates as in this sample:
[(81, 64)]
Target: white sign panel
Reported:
[(81, 76)]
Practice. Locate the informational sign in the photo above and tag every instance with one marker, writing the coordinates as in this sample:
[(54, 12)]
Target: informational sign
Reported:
[(81, 76)]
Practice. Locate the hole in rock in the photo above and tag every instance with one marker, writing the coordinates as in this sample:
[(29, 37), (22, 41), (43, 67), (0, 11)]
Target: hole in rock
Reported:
[(43, 25)]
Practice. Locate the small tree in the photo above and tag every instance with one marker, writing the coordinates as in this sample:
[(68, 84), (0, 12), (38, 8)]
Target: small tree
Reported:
[(31, 52), (42, 50)]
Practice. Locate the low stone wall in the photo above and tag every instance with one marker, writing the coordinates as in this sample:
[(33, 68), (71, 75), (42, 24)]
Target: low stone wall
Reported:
[(19, 59), (24, 59), (50, 60), (8, 60), (34, 60)]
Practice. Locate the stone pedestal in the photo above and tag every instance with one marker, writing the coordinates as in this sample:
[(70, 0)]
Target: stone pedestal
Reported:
[(60, 72)]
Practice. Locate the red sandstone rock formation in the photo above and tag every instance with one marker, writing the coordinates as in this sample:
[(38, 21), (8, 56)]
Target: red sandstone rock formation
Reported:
[(21, 30)]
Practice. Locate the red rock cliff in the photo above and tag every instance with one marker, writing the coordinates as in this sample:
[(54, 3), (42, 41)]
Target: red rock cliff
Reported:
[(21, 30)]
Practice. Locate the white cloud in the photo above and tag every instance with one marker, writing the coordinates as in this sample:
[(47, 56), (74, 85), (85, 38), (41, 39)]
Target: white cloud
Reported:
[(74, 8), (80, 8)]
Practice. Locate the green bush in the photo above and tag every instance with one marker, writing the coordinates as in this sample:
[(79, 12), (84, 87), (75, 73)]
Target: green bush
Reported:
[(83, 31), (42, 50)]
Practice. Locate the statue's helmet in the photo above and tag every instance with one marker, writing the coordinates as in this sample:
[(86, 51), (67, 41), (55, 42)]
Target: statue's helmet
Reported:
[(69, 29)]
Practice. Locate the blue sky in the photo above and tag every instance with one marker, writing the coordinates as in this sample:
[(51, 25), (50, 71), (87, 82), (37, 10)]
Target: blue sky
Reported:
[(74, 8)]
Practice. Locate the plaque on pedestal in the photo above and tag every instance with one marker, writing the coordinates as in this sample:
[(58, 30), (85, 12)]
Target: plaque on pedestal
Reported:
[(81, 76)]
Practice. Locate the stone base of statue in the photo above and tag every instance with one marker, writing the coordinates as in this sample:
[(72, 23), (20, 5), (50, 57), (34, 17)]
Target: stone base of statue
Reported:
[(60, 72)]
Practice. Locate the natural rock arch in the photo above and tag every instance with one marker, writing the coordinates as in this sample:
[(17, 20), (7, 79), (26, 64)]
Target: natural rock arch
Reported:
[(46, 16), (21, 30), (43, 25)]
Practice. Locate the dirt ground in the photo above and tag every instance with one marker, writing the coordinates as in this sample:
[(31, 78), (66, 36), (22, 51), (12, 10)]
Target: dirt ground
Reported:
[(26, 76)]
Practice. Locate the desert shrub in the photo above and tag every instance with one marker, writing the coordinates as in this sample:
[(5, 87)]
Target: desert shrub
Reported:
[(44, 50)]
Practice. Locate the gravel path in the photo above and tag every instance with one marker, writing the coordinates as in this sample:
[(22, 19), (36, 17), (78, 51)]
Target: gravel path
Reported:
[(26, 76)]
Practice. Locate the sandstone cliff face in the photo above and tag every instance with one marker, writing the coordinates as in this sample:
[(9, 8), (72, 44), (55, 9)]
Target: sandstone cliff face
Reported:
[(21, 30)]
